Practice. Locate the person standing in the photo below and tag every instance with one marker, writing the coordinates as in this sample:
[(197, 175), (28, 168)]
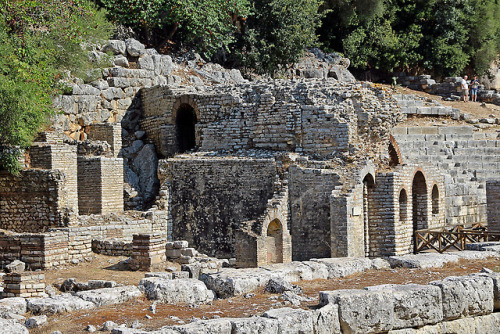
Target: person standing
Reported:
[(465, 88), (474, 86)]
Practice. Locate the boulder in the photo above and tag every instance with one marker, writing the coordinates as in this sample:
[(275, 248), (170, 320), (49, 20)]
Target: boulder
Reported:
[(134, 47), (68, 285), (110, 296), (16, 305), (466, 295), (341, 267), (15, 266), (292, 320), (414, 305), (12, 327), (362, 311), (146, 62), (115, 47), (234, 282), (254, 325), (279, 285), (177, 291), (58, 304)]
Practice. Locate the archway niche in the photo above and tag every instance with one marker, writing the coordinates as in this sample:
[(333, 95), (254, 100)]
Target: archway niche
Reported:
[(419, 203), (435, 200), (368, 186), (274, 242), (403, 206), (185, 128), (394, 159)]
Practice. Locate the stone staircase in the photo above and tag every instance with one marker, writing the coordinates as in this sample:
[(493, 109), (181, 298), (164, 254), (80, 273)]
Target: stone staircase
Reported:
[(418, 105), (467, 159)]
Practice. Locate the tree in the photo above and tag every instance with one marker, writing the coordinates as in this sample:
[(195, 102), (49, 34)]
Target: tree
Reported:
[(277, 33), (205, 25), (39, 39)]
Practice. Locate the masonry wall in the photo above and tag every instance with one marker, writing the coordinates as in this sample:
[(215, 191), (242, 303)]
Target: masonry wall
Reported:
[(493, 200), (100, 186), (209, 197), (63, 158), (34, 201), (309, 193), (109, 132)]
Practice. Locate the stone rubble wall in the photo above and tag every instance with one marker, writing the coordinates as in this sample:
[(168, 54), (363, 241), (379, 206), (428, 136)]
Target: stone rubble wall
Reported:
[(467, 159), (34, 201), (210, 196), (112, 247), (493, 204)]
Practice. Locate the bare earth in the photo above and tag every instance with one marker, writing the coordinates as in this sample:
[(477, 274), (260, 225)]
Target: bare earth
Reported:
[(128, 313)]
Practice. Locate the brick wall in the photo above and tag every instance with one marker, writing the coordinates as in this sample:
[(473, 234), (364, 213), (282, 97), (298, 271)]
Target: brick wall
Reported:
[(109, 132)]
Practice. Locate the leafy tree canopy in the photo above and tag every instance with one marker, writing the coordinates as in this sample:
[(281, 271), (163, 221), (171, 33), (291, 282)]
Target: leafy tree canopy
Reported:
[(39, 40)]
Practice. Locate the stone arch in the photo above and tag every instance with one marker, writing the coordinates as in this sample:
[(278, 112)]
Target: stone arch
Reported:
[(394, 153), (403, 205), (274, 242), (368, 187), (435, 200), (419, 202), (185, 129)]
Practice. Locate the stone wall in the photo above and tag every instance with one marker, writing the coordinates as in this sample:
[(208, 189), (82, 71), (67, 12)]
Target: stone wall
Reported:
[(493, 201), (210, 196), (100, 186), (108, 132), (34, 201)]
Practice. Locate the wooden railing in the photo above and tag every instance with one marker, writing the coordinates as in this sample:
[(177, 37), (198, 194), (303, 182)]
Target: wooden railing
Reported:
[(453, 237)]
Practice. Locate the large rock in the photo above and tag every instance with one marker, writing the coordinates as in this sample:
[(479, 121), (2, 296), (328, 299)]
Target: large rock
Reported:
[(35, 322), (279, 285), (292, 320), (422, 261), (58, 304), (341, 267), (178, 291), (414, 305), (466, 295), (362, 311), (254, 325), (16, 305), (496, 287), (115, 47), (110, 296), (146, 165), (134, 47), (12, 327), (326, 320), (234, 282)]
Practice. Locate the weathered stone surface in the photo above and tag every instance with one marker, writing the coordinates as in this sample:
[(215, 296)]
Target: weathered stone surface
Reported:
[(341, 267), (178, 291), (59, 304), (496, 287), (254, 325), (279, 285), (422, 260), (145, 165), (216, 326), (466, 295), (14, 305), (115, 47), (35, 322), (414, 305), (234, 282), (362, 311), (476, 255), (134, 47), (12, 327), (15, 266), (109, 296), (326, 320), (292, 320)]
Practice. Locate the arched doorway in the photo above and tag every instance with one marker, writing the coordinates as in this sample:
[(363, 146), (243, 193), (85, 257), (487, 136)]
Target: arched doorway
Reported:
[(274, 242), (185, 128), (368, 185), (419, 203)]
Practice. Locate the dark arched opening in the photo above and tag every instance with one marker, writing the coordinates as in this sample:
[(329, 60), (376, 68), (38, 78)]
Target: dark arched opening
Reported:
[(435, 200), (274, 242), (403, 206), (419, 203), (368, 185), (393, 156), (185, 126)]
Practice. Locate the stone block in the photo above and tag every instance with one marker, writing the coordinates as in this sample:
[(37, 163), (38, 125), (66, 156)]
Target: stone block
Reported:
[(362, 311), (326, 320), (177, 291), (292, 320), (466, 296), (215, 326), (181, 244)]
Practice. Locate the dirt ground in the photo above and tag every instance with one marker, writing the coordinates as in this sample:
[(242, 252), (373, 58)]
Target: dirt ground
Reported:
[(103, 267)]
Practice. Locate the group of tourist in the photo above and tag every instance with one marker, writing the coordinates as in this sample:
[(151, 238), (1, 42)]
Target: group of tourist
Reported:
[(474, 86)]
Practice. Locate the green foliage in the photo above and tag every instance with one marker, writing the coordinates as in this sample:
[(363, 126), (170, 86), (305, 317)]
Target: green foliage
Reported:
[(206, 25), (277, 33), (39, 39), (443, 36)]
